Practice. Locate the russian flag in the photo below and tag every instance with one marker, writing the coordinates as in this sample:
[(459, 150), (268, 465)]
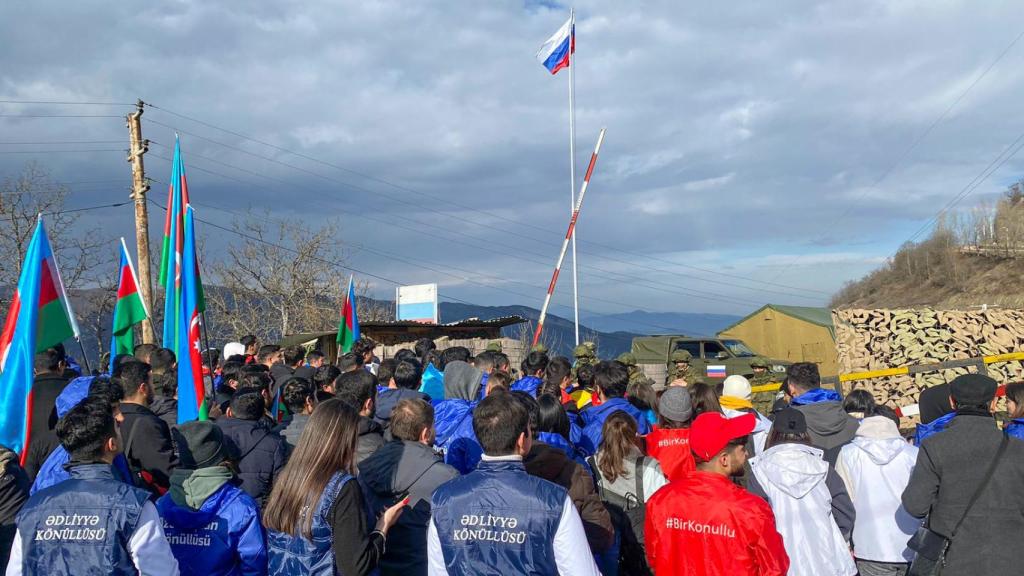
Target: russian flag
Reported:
[(716, 371), (554, 53)]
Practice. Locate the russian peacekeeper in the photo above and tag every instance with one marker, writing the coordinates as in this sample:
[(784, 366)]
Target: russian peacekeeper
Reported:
[(763, 376), (584, 354), (635, 373), (494, 346), (679, 368)]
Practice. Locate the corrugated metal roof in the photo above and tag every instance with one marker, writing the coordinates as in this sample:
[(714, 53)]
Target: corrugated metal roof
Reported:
[(467, 323)]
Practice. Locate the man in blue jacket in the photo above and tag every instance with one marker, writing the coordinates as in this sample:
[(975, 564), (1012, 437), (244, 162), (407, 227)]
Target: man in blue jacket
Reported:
[(498, 519), (610, 382), (54, 468), (213, 526), (533, 373), (90, 524)]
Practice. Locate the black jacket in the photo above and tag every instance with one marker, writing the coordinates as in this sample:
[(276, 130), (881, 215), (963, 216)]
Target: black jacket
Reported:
[(371, 437), (14, 485), (166, 409), (147, 443), (262, 453), (950, 466), (280, 374), (399, 467), (45, 390)]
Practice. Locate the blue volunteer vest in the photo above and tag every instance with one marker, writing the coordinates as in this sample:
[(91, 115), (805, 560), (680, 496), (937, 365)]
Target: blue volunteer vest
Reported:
[(498, 520), (82, 525), (295, 555)]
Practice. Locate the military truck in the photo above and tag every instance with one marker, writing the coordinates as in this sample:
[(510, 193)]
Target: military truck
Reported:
[(713, 358)]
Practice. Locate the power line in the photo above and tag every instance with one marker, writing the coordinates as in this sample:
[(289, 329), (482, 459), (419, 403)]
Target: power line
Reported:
[(1006, 154), (86, 209), (479, 243), (60, 116), (67, 102), (912, 147), (61, 151), (516, 249), (419, 263), (62, 142), (474, 209)]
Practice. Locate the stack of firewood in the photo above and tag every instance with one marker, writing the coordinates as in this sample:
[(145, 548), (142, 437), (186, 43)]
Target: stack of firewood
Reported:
[(869, 340)]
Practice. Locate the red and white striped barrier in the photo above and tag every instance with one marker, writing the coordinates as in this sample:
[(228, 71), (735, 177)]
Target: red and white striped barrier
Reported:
[(568, 236)]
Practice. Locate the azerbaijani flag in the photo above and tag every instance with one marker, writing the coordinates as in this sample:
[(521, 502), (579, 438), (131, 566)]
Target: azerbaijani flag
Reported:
[(348, 327), (191, 390), (171, 252), (129, 309), (38, 318), (556, 51)]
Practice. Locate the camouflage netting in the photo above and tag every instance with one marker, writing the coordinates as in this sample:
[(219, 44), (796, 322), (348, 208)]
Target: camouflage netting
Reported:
[(879, 339)]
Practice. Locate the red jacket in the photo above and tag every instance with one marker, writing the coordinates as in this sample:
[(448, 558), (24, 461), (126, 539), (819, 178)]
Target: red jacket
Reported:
[(671, 448), (704, 525)]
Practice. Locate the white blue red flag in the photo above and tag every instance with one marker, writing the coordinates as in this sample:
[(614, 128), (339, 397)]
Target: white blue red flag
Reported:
[(555, 52)]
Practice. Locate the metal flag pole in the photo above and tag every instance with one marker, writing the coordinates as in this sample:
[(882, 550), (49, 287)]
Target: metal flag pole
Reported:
[(568, 236), (572, 169)]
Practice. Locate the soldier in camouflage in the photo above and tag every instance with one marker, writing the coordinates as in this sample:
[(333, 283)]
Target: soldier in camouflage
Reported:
[(494, 346), (635, 373), (679, 368), (763, 376), (584, 354)]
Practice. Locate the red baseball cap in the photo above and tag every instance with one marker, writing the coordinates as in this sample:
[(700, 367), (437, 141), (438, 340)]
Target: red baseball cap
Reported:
[(711, 431)]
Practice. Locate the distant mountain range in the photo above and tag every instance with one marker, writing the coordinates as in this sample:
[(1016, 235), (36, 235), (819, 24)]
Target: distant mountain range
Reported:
[(614, 333)]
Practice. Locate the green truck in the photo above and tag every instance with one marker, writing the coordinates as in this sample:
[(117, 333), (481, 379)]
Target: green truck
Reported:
[(713, 358)]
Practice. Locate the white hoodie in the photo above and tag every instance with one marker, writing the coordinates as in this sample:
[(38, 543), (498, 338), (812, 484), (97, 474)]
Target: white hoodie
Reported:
[(876, 468), (793, 477)]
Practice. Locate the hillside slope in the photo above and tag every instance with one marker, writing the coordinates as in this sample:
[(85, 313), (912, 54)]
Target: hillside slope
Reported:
[(940, 274)]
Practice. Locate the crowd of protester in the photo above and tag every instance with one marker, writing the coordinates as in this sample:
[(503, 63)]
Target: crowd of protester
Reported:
[(438, 462)]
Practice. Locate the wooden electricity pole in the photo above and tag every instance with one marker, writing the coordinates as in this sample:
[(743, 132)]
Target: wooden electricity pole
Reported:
[(140, 186)]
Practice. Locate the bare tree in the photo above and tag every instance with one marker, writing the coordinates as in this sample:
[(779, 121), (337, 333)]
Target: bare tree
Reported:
[(285, 280), (22, 198)]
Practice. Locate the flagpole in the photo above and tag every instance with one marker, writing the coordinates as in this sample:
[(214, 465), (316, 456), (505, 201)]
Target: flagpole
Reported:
[(572, 169), (85, 359)]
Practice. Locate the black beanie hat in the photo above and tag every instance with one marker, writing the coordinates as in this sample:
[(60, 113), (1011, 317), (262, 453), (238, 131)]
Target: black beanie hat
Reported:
[(972, 390), (200, 444), (790, 421)]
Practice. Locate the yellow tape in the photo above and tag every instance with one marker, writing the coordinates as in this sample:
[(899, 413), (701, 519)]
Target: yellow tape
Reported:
[(1004, 357), (874, 374), (766, 387)]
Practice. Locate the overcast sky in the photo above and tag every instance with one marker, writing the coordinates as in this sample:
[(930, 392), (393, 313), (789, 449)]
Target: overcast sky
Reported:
[(745, 139)]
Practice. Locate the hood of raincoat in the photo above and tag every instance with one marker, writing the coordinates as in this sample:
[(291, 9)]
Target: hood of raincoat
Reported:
[(73, 393), (793, 468), (461, 381), (879, 437)]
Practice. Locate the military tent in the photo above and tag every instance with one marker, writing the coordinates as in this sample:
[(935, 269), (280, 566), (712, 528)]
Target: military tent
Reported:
[(793, 333)]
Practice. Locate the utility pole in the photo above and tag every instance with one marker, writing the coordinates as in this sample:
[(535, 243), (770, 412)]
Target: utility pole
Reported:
[(138, 147)]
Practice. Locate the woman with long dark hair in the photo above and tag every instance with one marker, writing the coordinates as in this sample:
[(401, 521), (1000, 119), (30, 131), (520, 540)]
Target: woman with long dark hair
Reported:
[(316, 517), (625, 480)]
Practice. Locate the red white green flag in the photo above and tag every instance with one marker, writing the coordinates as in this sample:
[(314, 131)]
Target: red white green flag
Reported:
[(171, 258), (129, 309), (348, 327)]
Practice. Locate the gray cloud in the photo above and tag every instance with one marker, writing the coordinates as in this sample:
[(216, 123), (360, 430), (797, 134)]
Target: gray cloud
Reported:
[(744, 137)]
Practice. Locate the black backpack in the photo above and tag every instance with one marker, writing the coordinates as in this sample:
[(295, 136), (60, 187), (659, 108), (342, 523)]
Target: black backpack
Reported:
[(628, 514)]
